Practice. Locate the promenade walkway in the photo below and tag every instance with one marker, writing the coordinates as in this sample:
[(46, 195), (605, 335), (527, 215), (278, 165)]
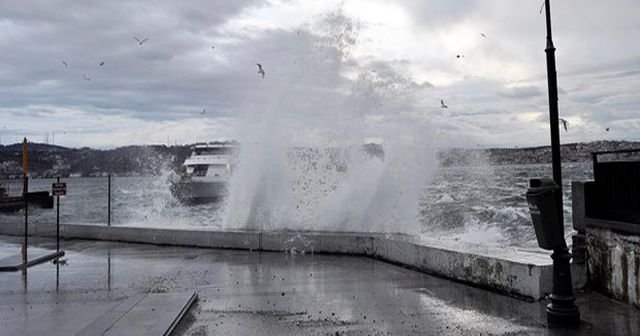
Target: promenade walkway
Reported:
[(269, 293)]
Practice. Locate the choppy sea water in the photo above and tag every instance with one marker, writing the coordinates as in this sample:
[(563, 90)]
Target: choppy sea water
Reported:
[(135, 201), (474, 204), (487, 204)]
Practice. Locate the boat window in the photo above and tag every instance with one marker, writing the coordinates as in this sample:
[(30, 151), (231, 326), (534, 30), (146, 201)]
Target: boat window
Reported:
[(218, 170), (222, 151), (200, 170), (213, 151)]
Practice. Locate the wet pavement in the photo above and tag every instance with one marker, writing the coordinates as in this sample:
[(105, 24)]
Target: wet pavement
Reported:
[(268, 293)]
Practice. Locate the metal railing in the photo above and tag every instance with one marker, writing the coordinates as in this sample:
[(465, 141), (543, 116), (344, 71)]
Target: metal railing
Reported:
[(615, 194), (95, 201)]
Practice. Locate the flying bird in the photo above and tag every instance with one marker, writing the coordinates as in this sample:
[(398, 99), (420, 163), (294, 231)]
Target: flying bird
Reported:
[(65, 64), (260, 70), (203, 111), (442, 104), (58, 261), (607, 129), (483, 35), (102, 63), (85, 77), (542, 7), (459, 56), (564, 123), (140, 42), (213, 47)]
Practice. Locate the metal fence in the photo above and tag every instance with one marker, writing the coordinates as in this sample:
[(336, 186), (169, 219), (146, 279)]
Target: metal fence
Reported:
[(85, 203), (615, 194)]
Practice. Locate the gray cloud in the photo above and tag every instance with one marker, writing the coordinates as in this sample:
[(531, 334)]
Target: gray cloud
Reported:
[(520, 92), (441, 13), (319, 77)]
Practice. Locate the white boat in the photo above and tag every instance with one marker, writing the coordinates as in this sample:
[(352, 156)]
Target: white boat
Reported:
[(206, 172)]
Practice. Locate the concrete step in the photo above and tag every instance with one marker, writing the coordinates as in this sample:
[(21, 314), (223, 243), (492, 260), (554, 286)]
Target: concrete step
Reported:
[(143, 314)]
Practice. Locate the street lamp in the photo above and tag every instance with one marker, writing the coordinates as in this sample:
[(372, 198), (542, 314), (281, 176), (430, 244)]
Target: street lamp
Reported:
[(562, 310)]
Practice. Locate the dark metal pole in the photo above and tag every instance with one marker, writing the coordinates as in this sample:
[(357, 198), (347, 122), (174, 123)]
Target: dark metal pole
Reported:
[(594, 158), (562, 310), (58, 220), (25, 194), (109, 200), (109, 269), (553, 107)]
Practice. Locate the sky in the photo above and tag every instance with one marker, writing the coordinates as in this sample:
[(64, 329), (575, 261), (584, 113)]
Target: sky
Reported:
[(353, 69)]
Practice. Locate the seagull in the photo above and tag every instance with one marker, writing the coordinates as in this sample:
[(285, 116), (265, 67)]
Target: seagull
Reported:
[(203, 111), (58, 261), (141, 42), (442, 104), (65, 64), (564, 123), (85, 77), (260, 71), (102, 63)]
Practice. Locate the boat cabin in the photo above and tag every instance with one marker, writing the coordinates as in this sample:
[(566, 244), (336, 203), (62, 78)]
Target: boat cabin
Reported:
[(212, 159)]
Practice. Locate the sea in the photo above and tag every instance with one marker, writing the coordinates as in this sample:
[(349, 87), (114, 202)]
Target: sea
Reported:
[(482, 204)]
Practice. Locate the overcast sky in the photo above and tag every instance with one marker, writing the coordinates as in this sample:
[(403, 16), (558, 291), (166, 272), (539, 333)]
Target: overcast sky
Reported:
[(355, 68)]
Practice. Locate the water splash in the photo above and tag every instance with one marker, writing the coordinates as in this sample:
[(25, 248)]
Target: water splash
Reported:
[(298, 245), (303, 166)]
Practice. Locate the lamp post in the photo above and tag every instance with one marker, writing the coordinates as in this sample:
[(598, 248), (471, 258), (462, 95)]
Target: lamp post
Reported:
[(562, 311)]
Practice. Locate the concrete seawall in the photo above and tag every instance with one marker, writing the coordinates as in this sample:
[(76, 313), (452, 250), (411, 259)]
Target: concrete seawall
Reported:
[(614, 264), (525, 274)]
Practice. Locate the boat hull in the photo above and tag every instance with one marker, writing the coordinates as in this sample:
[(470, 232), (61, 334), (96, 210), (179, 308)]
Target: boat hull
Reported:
[(195, 192), (11, 204), (40, 199)]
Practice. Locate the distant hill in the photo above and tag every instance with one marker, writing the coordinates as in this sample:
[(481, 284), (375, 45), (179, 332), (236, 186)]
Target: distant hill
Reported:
[(574, 152), (34, 146), (52, 161)]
